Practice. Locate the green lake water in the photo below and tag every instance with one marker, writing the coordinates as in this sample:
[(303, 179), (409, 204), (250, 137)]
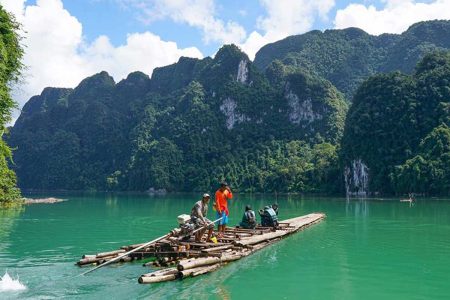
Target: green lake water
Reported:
[(365, 249)]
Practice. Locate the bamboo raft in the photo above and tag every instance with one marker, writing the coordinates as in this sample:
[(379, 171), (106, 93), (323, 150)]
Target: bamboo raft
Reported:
[(181, 257)]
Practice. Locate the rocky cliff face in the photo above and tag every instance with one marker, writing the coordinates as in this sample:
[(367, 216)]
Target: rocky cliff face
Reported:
[(356, 178)]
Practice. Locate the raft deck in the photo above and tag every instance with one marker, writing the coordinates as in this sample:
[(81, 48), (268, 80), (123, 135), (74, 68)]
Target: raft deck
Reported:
[(181, 258)]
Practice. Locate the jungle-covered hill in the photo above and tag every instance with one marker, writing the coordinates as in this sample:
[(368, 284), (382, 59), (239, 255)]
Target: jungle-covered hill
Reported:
[(347, 57), (397, 135), (192, 124), (275, 124)]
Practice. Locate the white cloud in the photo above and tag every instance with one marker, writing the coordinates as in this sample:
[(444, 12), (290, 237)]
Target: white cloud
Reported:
[(142, 52), (253, 43), (287, 17), (56, 54), (284, 18), (200, 14), (395, 17), (14, 6)]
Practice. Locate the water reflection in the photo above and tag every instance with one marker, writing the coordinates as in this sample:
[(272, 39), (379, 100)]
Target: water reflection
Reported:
[(111, 200), (357, 208), (7, 219)]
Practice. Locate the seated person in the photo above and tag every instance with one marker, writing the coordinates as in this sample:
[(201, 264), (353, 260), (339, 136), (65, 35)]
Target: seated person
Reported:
[(268, 217), (275, 208), (198, 218), (249, 218)]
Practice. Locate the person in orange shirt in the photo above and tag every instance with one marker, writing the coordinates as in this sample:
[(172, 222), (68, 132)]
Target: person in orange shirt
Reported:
[(221, 205)]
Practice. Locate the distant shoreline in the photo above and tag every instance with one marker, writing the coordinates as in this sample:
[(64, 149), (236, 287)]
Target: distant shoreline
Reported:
[(49, 200)]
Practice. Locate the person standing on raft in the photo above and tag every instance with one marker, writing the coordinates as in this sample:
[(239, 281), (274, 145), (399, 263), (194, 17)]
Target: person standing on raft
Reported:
[(221, 205), (198, 218)]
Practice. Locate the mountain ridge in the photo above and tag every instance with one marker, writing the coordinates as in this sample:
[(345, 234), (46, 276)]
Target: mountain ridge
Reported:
[(331, 54), (103, 127), (199, 121)]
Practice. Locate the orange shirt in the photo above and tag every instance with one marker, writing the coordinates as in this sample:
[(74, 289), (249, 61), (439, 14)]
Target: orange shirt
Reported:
[(221, 199)]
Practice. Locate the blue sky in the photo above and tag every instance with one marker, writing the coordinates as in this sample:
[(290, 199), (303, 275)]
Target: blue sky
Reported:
[(68, 40), (103, 16), (111, 18)]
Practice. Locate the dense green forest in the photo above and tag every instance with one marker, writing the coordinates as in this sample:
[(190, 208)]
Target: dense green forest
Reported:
[(276, 125), (398, 128), (347, 57), (10, 55), (225, 121)]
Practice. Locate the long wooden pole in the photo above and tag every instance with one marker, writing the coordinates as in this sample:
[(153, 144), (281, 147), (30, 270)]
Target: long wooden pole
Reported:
[(127, 253), (140, 247), (206, 225)]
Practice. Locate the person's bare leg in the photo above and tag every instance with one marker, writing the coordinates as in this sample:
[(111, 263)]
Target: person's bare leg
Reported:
[(197, 235), (210, 231), (200, 235)]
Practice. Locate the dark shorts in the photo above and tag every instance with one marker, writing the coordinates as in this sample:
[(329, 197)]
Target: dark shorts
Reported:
[(199, 223)]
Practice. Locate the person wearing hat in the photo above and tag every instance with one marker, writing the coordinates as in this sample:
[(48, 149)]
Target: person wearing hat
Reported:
[(198, 218), (223, 194), (249, 218)]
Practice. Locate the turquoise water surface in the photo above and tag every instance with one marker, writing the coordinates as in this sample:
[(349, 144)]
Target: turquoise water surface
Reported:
[(365, 249)]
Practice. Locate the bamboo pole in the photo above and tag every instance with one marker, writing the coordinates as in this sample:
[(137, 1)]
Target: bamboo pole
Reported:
[(167, 271), (225, 247), (159, 276), (202, 245), (261, 238), (110, 253), (155, 279), (231, 257), (93, 260), (126, 254), (87, 260), (206, 270), (188, 253), (188, 273), (198, 262)]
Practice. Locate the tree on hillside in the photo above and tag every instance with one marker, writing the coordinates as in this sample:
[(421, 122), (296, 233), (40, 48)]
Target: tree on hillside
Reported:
[(10, 66), (390, 124), (429, 171)]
